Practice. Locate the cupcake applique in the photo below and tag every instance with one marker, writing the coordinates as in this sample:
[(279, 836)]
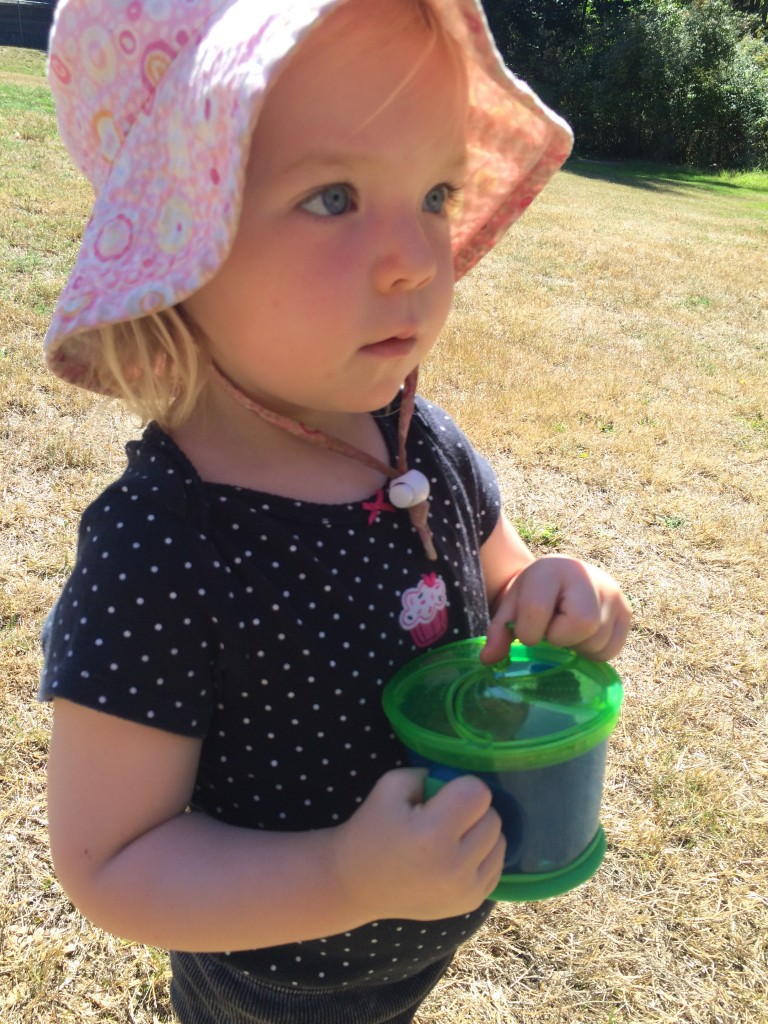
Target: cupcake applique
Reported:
[(424, 613)]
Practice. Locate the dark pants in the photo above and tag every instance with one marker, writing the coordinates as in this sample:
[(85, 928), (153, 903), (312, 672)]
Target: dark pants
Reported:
[(206, 991)]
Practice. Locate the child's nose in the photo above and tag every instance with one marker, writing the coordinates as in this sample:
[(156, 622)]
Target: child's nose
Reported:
[(406, 257)]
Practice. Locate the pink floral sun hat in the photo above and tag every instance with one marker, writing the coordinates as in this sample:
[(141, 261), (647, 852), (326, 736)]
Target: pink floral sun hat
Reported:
[(156, 102)]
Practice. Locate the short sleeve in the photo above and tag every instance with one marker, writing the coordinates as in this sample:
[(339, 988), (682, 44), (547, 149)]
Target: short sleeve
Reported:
[(135, 632), (469, 476)]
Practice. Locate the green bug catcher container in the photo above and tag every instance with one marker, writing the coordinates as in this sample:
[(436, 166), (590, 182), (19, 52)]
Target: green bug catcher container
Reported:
[(535, 728)]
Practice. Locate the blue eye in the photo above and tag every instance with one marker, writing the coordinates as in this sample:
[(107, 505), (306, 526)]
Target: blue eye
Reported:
[(331, 201), (438, 198)]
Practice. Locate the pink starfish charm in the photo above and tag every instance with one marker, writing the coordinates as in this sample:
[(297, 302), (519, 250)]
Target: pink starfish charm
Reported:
[(377, 505)]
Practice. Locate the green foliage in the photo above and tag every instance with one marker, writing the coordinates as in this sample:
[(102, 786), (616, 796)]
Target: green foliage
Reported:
[(683, 82), (757, 9)]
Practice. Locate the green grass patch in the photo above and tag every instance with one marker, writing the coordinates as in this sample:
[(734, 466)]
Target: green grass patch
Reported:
[(758, 422), (647, 174), (24, 99), (21, 61), (539, 535)]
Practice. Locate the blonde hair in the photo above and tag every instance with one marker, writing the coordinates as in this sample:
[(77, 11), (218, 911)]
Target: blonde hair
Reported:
[(158, 364)]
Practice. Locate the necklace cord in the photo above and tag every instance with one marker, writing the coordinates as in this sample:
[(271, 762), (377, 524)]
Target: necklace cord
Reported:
[(419, 513)]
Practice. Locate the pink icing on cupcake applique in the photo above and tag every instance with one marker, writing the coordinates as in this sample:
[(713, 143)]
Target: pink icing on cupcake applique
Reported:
[(424, 613)]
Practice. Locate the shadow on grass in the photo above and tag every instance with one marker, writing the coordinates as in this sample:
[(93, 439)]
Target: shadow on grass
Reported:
[(662, 177)]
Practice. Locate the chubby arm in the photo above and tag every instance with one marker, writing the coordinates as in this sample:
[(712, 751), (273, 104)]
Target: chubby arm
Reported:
[(139, 865), (560, 599)]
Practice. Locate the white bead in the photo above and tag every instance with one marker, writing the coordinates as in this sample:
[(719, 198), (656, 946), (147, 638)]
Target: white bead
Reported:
[(408, 490)]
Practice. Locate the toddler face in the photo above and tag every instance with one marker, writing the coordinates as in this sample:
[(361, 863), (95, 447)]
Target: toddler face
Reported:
[(340, 277)]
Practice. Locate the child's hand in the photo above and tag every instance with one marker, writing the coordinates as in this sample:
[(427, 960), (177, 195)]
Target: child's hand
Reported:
[(565, 601), (398, 856)]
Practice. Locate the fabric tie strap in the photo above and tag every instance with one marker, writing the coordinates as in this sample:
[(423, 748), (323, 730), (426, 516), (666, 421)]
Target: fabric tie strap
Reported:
[(419, 512)]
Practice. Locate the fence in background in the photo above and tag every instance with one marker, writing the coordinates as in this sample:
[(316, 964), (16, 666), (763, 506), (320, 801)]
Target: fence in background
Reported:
[(25, 23)]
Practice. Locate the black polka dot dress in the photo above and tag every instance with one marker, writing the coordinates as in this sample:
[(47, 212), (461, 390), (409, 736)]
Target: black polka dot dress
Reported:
[(268, 628)]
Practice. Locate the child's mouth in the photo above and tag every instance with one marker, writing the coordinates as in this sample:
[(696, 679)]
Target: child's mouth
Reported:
[(397, 345)]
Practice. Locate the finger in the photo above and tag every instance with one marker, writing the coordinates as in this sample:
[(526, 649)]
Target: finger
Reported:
[(603, 638), (458, 806), (607, 643), (498, 637), (538, 602), (579, 625), (481, 840), (621, 629), (540, 595), (491, 869), (402, 786)]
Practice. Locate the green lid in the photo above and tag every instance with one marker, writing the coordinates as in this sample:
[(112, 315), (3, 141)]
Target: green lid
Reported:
[(541, 706)]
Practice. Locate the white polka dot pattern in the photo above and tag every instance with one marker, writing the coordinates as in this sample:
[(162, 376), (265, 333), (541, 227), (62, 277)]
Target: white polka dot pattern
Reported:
[(268, 627)]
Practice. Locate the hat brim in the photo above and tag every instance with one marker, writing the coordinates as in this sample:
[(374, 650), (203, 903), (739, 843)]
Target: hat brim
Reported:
[(166, 212)]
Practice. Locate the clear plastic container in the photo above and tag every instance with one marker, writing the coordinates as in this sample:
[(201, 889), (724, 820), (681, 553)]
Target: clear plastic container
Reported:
[(535, 728)]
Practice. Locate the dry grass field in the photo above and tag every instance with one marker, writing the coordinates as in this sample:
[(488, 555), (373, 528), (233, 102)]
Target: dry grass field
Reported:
[(611, 359)]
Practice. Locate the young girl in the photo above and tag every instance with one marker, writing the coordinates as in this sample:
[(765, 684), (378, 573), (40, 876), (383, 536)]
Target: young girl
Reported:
[(285, 194)]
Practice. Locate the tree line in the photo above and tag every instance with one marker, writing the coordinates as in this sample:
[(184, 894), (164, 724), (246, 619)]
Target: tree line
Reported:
[(680, 81)]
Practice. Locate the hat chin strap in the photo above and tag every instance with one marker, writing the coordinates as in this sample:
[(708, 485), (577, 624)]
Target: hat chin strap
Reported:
[(408, 489)]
